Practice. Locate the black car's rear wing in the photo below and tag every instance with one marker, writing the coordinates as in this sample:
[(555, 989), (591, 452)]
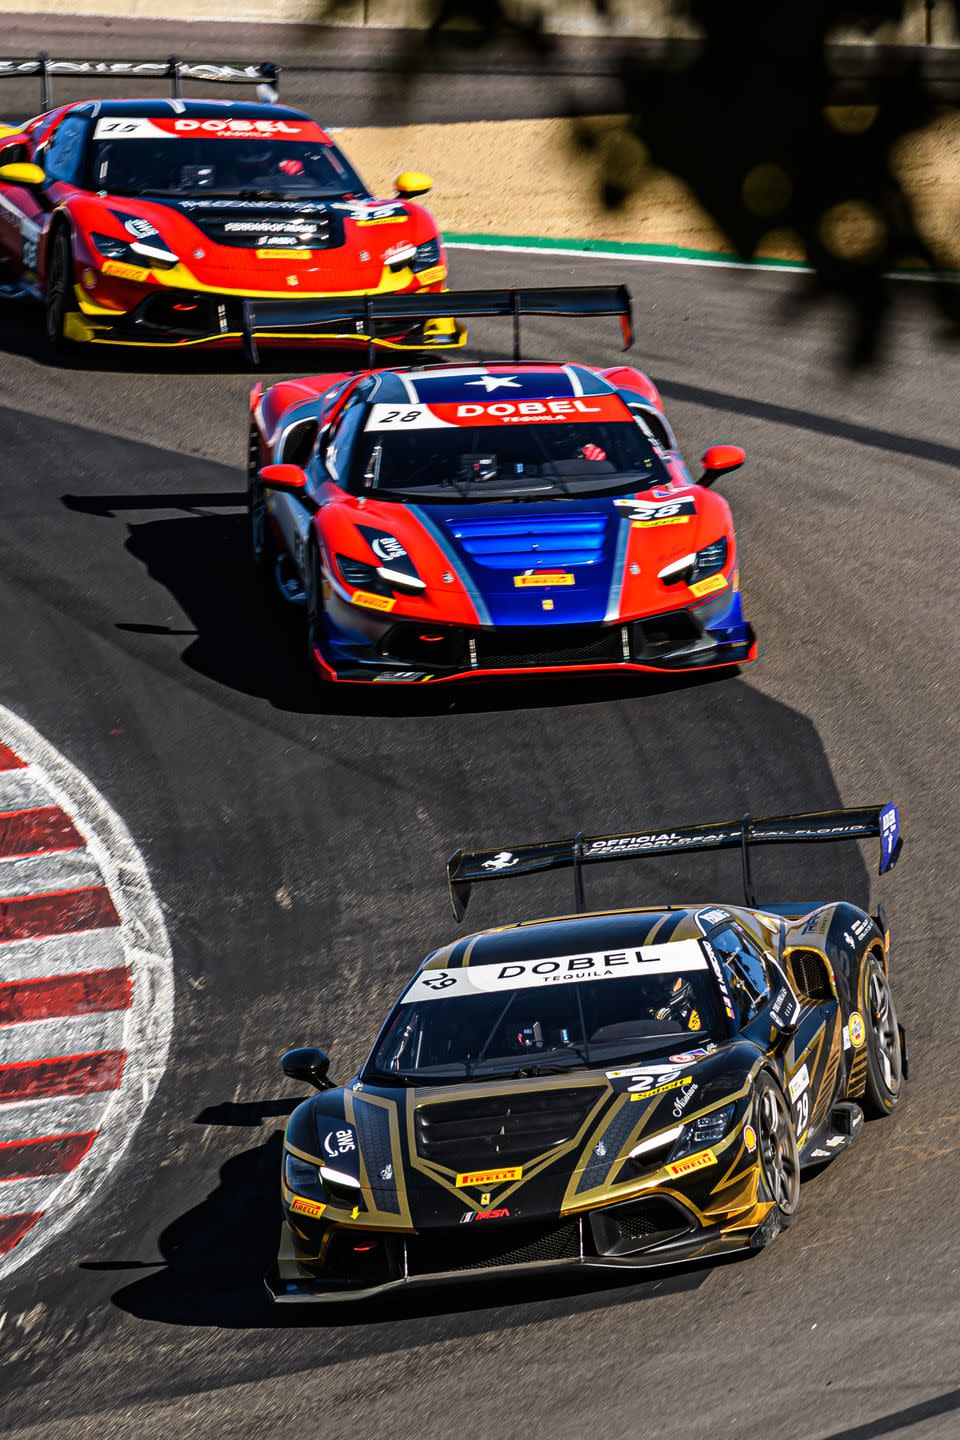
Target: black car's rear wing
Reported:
[(362, 312), (173, 69), (467, 867)]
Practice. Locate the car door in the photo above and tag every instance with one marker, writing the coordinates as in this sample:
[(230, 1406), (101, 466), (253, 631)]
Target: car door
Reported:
[(28, 208)]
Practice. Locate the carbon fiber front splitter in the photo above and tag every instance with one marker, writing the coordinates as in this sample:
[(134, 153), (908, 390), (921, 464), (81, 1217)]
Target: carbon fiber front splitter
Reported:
[(296, 1285)]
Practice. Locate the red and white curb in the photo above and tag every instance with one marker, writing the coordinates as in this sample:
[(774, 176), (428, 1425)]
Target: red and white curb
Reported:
[(86, 991)]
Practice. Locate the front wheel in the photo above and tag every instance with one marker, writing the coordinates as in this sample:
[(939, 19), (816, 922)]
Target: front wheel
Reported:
[(884, 1055), (58, 292), (315, 627), (777, 1144)]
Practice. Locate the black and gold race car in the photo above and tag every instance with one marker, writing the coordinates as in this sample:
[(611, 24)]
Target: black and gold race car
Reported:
[(624, 1089)]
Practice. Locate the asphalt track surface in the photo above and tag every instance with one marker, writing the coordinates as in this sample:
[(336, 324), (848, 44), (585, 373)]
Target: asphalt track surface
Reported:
[(296, 841)]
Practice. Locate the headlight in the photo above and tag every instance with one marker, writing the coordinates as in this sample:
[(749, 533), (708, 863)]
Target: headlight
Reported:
[(426, 256), (692, 568), (145, 246), (299, 1174), (705, 1130), (382, 579)]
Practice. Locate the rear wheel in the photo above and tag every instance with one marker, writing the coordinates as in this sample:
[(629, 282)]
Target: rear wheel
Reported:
[(884, 1057), (777, 1144), (59, 290)]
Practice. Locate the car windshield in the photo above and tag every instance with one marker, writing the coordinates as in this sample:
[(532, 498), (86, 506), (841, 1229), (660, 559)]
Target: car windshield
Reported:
[(545, 1017), (244, 168), (503, 462)]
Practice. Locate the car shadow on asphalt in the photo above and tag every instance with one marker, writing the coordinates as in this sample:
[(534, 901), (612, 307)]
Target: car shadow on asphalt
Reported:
[(216, 1254), (244, 636)]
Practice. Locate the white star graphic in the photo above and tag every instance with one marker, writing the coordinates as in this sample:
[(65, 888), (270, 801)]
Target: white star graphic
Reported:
[(497, 382)]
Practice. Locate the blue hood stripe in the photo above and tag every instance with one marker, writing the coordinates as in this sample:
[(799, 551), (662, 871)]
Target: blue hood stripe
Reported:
[(466, 580)]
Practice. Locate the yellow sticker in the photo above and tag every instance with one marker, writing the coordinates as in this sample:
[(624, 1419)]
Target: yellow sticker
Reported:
[(124, 272), (431, 276), (278, 254), (372, 602), (750, 1138), (666, 520), (708, 586), (302, 1206), (547, 604), (699, 1161), (660, 1089), (544, 577), (490, 1177), (857, 1032), (386, 220)]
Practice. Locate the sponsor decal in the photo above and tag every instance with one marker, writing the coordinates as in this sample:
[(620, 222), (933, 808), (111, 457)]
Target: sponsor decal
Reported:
[(489, 1177), (281, 253), (498, 1214), (385, 547), (861, 928), (699, 1161), (547, 604), (384, 220), (694, 1022), (820, 1154), (339, 1142), (660, 1089), (503, 860), (123, 272), (785, 1008), (683, 1099), (689, 1057), (835, 1142), (407, 676), (889, 834), (301, 1206), (648, 514), (857, 1030), (386, 1173), (680, 955), (800, 1082), (708, 586), (846, 1037), (372, 602), (138, 127), (750, 1138), (431, 276), (543, 577), (718, 975), (713, 917)]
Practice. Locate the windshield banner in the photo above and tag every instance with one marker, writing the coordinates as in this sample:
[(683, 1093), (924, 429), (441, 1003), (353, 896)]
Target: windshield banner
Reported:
[(589, 409), (676, 958), (138, 127)]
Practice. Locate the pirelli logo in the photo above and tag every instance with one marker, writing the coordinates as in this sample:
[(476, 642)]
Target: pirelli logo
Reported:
[(490, 1177), (301, 1206), (699, 1161)]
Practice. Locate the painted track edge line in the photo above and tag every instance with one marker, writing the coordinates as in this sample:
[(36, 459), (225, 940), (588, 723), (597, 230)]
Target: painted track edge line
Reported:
[(657, 254), (148, 1022)]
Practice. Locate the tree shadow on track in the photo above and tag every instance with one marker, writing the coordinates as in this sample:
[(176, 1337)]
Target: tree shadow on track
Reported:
[(217, 1253), (247, 638)]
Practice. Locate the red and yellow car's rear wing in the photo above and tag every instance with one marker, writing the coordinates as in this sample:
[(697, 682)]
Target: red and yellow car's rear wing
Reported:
[(467, 867), (363, 312)]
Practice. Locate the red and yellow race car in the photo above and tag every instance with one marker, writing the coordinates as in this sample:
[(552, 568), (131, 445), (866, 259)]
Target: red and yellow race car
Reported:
[(164, 222)]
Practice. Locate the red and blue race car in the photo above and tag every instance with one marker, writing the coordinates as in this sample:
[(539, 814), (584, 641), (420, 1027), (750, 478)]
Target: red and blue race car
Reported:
[(445, 522), (197, 222)]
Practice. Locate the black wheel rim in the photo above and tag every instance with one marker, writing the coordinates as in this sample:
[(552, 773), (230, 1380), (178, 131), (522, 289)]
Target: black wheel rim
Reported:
[(258, 522), (314, 604), (884, 1031), (778, 1150), (56, 290)]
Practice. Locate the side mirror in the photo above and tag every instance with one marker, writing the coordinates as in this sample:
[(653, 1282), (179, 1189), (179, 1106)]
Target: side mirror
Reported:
[(307, 1065), (18, 173), (718, 459), (288, 478), (411, 183)]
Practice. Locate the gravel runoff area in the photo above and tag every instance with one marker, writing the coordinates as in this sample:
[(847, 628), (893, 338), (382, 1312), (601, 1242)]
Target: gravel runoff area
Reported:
[(487, 172)]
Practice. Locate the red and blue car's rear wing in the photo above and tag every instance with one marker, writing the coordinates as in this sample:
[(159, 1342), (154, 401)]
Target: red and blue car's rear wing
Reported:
[(174, 69), (467, 867), (362, 312)]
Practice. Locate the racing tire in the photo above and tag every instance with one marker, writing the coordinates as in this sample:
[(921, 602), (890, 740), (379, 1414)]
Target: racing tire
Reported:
[(884, 1082), (777, 1151), (263, 549), (315, 627), (58, 288)]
